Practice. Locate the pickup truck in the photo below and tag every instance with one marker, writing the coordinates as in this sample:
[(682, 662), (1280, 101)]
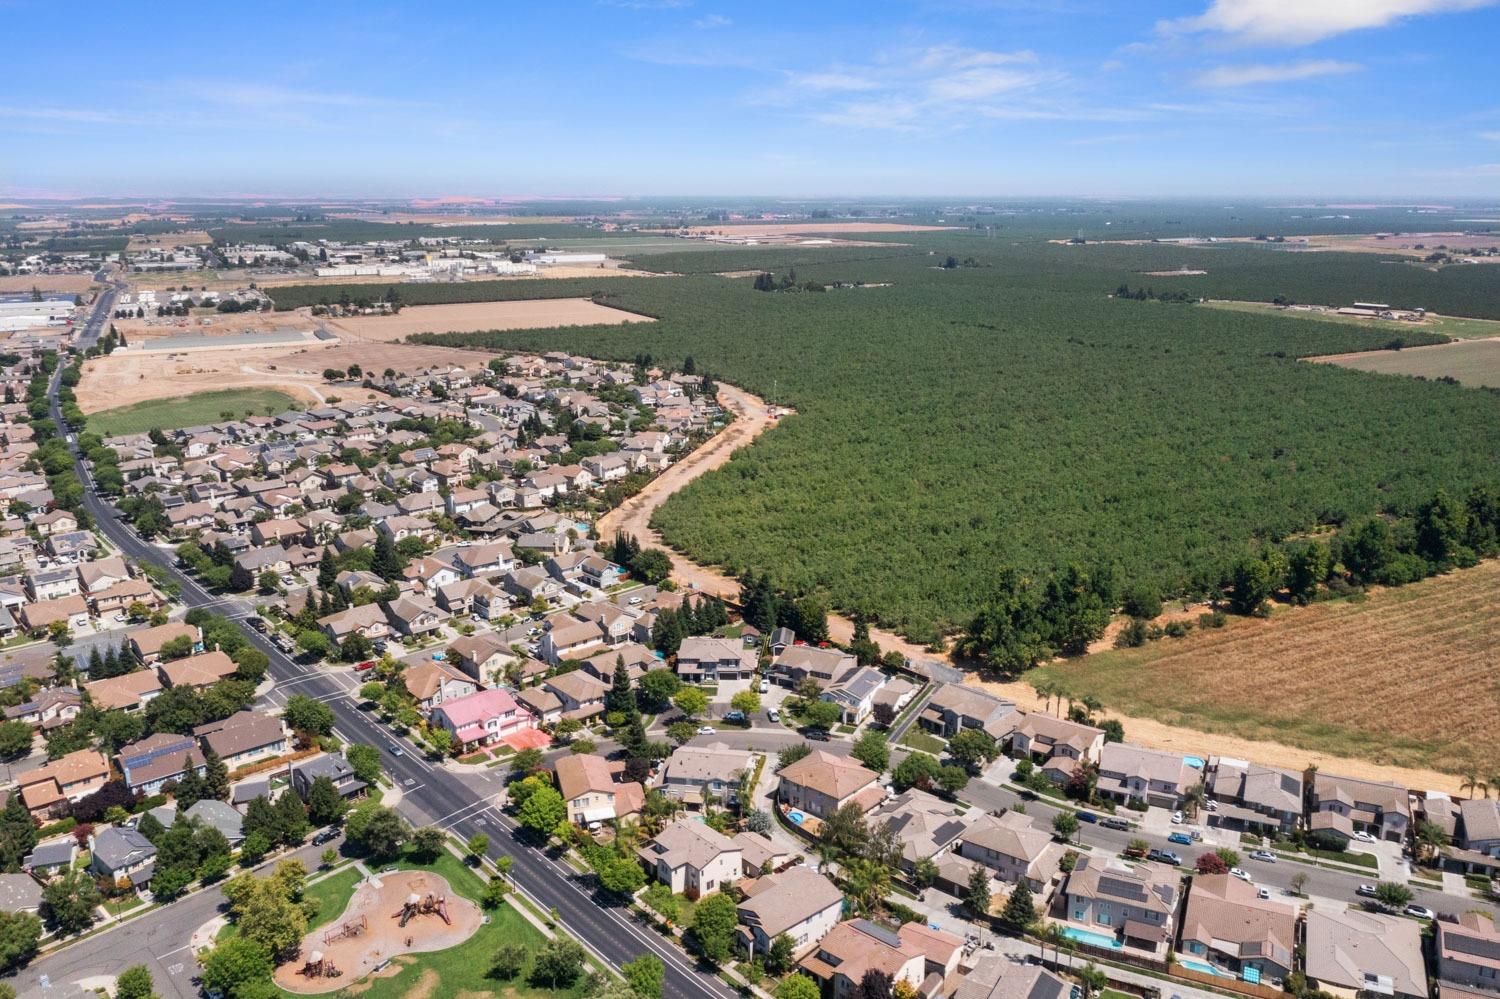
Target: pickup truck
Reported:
[(1164, 856)]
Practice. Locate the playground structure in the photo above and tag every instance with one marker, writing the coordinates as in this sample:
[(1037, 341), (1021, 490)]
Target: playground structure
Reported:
[(362, 940), (318, 966), (419, 905), (348, 928)]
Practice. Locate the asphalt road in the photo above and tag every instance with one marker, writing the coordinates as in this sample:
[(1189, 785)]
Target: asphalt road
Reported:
[(461, 804)]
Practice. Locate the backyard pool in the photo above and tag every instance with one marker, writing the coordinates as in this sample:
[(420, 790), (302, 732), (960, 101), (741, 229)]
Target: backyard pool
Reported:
[(1204, 967), (796, 817), (1092, 939)]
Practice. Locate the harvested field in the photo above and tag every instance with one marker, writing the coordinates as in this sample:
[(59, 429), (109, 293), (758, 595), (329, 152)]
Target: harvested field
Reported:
[(63, 284), (372, 356), (752, 229), (1405, 678), (188, 237), (1458, 327), (1475, 363), (474, 316), (206, 322), (122, 378), (375, 906), (189, 411)]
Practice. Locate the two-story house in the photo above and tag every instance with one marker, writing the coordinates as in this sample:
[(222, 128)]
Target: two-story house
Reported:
[(692, 858)]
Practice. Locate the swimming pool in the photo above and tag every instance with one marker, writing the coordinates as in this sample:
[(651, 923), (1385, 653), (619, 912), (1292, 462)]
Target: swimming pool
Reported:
[(1092, 939), (1203, 967), (796, 817)]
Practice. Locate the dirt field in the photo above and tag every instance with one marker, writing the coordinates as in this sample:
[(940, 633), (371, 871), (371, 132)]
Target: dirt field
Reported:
[(516, 315), (378, 901), (1475, 363), (218, 323), (64, 284), (373, 356), (1405, 680), (123, 379), (808, 228), (1414, 244), (188, 237)]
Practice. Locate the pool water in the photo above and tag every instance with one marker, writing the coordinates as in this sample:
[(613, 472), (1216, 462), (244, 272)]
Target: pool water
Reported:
[(796, 817), (1203, 966), (1092, 939)]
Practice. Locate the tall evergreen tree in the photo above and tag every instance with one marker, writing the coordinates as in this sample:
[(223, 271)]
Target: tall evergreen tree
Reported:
[(621, 695), (190, 787), (215, 782), (17, 833), (328, 573), (387, 561)]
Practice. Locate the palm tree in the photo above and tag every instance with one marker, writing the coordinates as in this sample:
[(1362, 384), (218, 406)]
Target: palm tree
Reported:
[(1093, 706), (1470, 782), (1049, 933), (627, 833)]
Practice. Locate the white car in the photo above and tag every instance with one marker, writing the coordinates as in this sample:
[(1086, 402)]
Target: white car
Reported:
[(1241, 873), (1420, 911), (1364, 837), (765, 686), (1177, 818), (1263, 893), (774, 715), (706, 730)]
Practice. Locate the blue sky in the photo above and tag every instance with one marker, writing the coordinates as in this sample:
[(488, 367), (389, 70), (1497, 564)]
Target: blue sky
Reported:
[(1386, 98)]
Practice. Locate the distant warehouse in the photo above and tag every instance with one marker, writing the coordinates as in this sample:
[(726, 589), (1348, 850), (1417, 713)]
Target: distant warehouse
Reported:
[(22, 313)]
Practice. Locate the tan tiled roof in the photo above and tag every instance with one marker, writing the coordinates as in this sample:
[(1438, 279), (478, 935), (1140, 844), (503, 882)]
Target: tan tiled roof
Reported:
[(836, 776)]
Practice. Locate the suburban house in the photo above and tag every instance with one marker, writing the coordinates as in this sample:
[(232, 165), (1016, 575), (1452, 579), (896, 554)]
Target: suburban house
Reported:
[(481, 655), (591, 793), (482, 718), (48, 788), (999, 977), (957, 706), (123, 855), (1228, 925), (414, 616), (1468, 952), (335, 767), (760, 853), (798, 662), (20, 893), (798, 901), (692, 858), (581, 694), (941, 951), (128, 692), (1343, 806), (245, 737), (1134, 902), (202, 670), (821, 783), (702, 658), (1136, 775), (1056, 744), (432, 682), (1015, 848), (48, 708), (569, 638), (147, 643), (925, 824), (1477, 836), (1351, 952), (693, 770), (1253, 798), (855, 693), (368, 620), (151, 763), (220, 816), (853, 948)]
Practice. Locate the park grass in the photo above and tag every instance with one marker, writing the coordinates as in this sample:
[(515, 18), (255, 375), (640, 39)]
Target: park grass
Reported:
[(459, 875), (1405, 677), (332, 895), (188, 410)]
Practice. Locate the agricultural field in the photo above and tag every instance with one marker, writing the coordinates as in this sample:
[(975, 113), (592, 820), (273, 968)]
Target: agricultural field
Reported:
[(1457, 327), (459, 318), (1008, 411), (189, 411), (1406, 677), (1475, 363)]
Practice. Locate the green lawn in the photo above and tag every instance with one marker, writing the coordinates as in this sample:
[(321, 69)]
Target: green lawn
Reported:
[(925, 741), (189, 410), (332, 895)]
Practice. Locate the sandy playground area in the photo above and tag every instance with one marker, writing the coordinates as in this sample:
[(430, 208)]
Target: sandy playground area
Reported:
[(472, 316), (369, 931)]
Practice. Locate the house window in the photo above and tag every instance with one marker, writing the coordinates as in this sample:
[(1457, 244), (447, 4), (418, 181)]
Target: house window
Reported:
[(1079, 915), (1104, 916)]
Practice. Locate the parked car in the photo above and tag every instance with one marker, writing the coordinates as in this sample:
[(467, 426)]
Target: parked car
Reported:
[(734, 716), (1180, 837), (706, 730), (367, 664), (773, 715), (816, 735), (1164, 856), (325, 836), (1420, 911), (1087, 817), (1242, 874), (1262, 893), (765, 686), (1364, 837), (1111, 822), (1368, 891), (1265, 855), (1177, 818)]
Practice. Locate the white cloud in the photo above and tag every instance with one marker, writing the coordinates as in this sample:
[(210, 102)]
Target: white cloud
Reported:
[(832, 81), (1300, 22), (1240, 76), (712, 21), (1490, 136)]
